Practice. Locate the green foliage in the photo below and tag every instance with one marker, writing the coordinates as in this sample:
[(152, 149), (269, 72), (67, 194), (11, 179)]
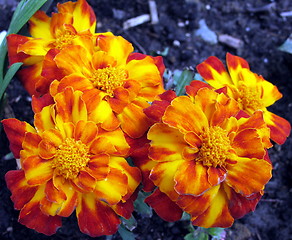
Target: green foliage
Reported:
[(200, 233), (23, 12), (182, 78), (141, 207), (287, 45)]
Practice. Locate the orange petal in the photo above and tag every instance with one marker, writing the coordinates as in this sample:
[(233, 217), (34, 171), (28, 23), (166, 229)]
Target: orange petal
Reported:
[(85, 131), (193, 178), (195, 86), (240, 205), (163, 174), (195, 206), (185, 115), (113, 188), (84, 181), (36, 47), (125, 209), (98, 166), (118, 141), (133, 174), (38, 103), (30, 145), (167, 144), (13, 41), (164, 206), (134, 121), (37, 170), (84, 17), (15, 131), (44, 120), (280, 127), (117, 47), (39, 25), (214, 72), (54, 194), (235, 65), (70, 106), (22, 193), (248, 176), (95, 218), (217, 215), (32, 217)]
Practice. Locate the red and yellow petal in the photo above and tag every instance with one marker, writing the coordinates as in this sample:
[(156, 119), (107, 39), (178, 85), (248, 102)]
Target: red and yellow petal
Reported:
[(113, 188), (44, 120), (133, 174), (37, 170), (39, 25), (217, 214), (164, 206), (98, 166), (214, 72), (280, 128), (194, 87), (30, 145), (84, 182), (196, 206), (15, 131), (185, 116), (192, 178), (86, 132), (240, 205), (133, 120), (163, 175), (235, 66), (126, 208), (96, 218), (13, 41), (70, 106), (248, 175), (22, 193), (117, 47), (167, 144)]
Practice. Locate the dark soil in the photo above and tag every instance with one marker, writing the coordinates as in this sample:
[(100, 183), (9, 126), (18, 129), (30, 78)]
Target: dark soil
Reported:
[(261, 28)]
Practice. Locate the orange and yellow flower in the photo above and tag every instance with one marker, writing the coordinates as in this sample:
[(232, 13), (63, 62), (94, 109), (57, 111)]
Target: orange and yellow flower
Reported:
[(72, 22), (68, 162), (252, 91), (204, 158), (115, 81)]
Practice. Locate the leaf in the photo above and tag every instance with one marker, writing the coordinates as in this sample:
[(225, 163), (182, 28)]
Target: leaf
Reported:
[(196, 236), (125, 234), (130, 223), (141, 207), (287, 45), (215, 232), (23, 12), (9, 75), (184, 79)]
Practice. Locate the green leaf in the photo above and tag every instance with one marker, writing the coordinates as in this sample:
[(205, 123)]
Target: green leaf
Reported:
[(23, 12), (130, 223), (196, 236), (215, 232), (141, 207), (287, 45), (125, 234), (9, 75), (184, 79)]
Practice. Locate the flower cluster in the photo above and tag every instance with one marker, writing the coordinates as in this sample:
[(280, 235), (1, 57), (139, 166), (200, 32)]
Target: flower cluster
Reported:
[(96, 103)]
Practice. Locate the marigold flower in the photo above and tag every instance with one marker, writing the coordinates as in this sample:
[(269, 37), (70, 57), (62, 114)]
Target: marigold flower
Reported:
[(205, 159), (68, 162), (252, 91), (74, 20), (115, 81)]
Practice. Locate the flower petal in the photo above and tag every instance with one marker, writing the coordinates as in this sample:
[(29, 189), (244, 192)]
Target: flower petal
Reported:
[(84, 182), (167, 144), (95, 218), (185, 116), (22, 193), (44, 119), (235, 65), (217, 214), (214, 72), (280, 127), (248, 175), (113, 188), (98, 166), (37, 170), (15, 131), (195, 86), (86, 132), (191, 178), (39, 25), (164, 206)]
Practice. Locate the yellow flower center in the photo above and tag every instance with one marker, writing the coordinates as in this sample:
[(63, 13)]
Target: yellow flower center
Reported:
[(108, 79), (63, 39), (70, 158), (215, 147), (250, 98)]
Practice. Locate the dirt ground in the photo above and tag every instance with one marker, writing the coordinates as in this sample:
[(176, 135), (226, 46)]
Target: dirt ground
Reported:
[(260, 29)]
